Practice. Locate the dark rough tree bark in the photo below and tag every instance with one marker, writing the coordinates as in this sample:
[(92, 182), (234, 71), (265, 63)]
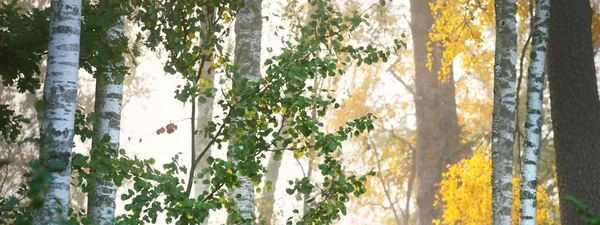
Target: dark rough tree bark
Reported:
[(437, 126), (575, 105)]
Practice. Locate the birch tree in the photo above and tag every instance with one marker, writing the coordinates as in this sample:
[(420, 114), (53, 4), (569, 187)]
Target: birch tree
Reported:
[(267, 206), (575, 106), (504, 110), (60, 100), (204, 115), (533, 123), (248, 34), (109, 97)]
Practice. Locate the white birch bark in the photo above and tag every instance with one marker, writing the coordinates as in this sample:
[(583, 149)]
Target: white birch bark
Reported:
[(504, 110), (248, 34), (60, 101), (109, 98), (267, 207), (204, 115), (533, 123), (268, 199)]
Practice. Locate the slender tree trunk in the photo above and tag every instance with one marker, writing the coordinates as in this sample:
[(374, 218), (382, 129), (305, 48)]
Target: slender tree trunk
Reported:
[(504, 110), (204, 116), (437, 127), (60, 101), (409, 184), (267, 206), (248, 34), (575, 106), (268, 200), (109, 98), (533, 123)]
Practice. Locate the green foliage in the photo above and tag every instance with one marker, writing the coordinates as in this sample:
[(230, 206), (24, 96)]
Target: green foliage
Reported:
[(98, 53), (23, 42), (11, 123), (13, 208), (591, 217), (175, 25)]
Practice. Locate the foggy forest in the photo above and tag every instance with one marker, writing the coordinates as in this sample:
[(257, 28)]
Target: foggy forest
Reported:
[(304, 112)]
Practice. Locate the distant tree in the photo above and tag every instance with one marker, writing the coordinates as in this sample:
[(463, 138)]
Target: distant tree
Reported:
[(438, 142)]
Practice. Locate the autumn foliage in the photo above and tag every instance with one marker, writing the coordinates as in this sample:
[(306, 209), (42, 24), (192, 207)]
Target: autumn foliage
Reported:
[(466, 194)]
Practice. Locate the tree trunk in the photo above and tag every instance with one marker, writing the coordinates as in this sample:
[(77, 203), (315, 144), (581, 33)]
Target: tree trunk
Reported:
[(533, 123), (268, 200), (204, 116), (109, 98), (504, 110), (437, 127), (248, 34), (575, 106), (60, 101)]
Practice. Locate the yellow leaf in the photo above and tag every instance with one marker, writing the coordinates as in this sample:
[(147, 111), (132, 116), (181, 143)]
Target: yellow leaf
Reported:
[(404, 105), (298, 154)]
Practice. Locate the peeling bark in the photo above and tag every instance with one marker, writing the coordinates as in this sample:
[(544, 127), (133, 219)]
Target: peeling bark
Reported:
[(504, 111), (60, 101), (533, 123)]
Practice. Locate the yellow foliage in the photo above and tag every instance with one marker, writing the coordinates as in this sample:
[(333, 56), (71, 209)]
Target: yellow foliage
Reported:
[(458, 28), (466, 194), (596, 24)]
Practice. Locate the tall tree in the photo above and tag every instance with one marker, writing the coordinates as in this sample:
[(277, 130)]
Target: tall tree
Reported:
[(533, 124), (204, 112), (504, 110), (108, 103), (437, 126), (248, 34), (575, 106), (60, 100)]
